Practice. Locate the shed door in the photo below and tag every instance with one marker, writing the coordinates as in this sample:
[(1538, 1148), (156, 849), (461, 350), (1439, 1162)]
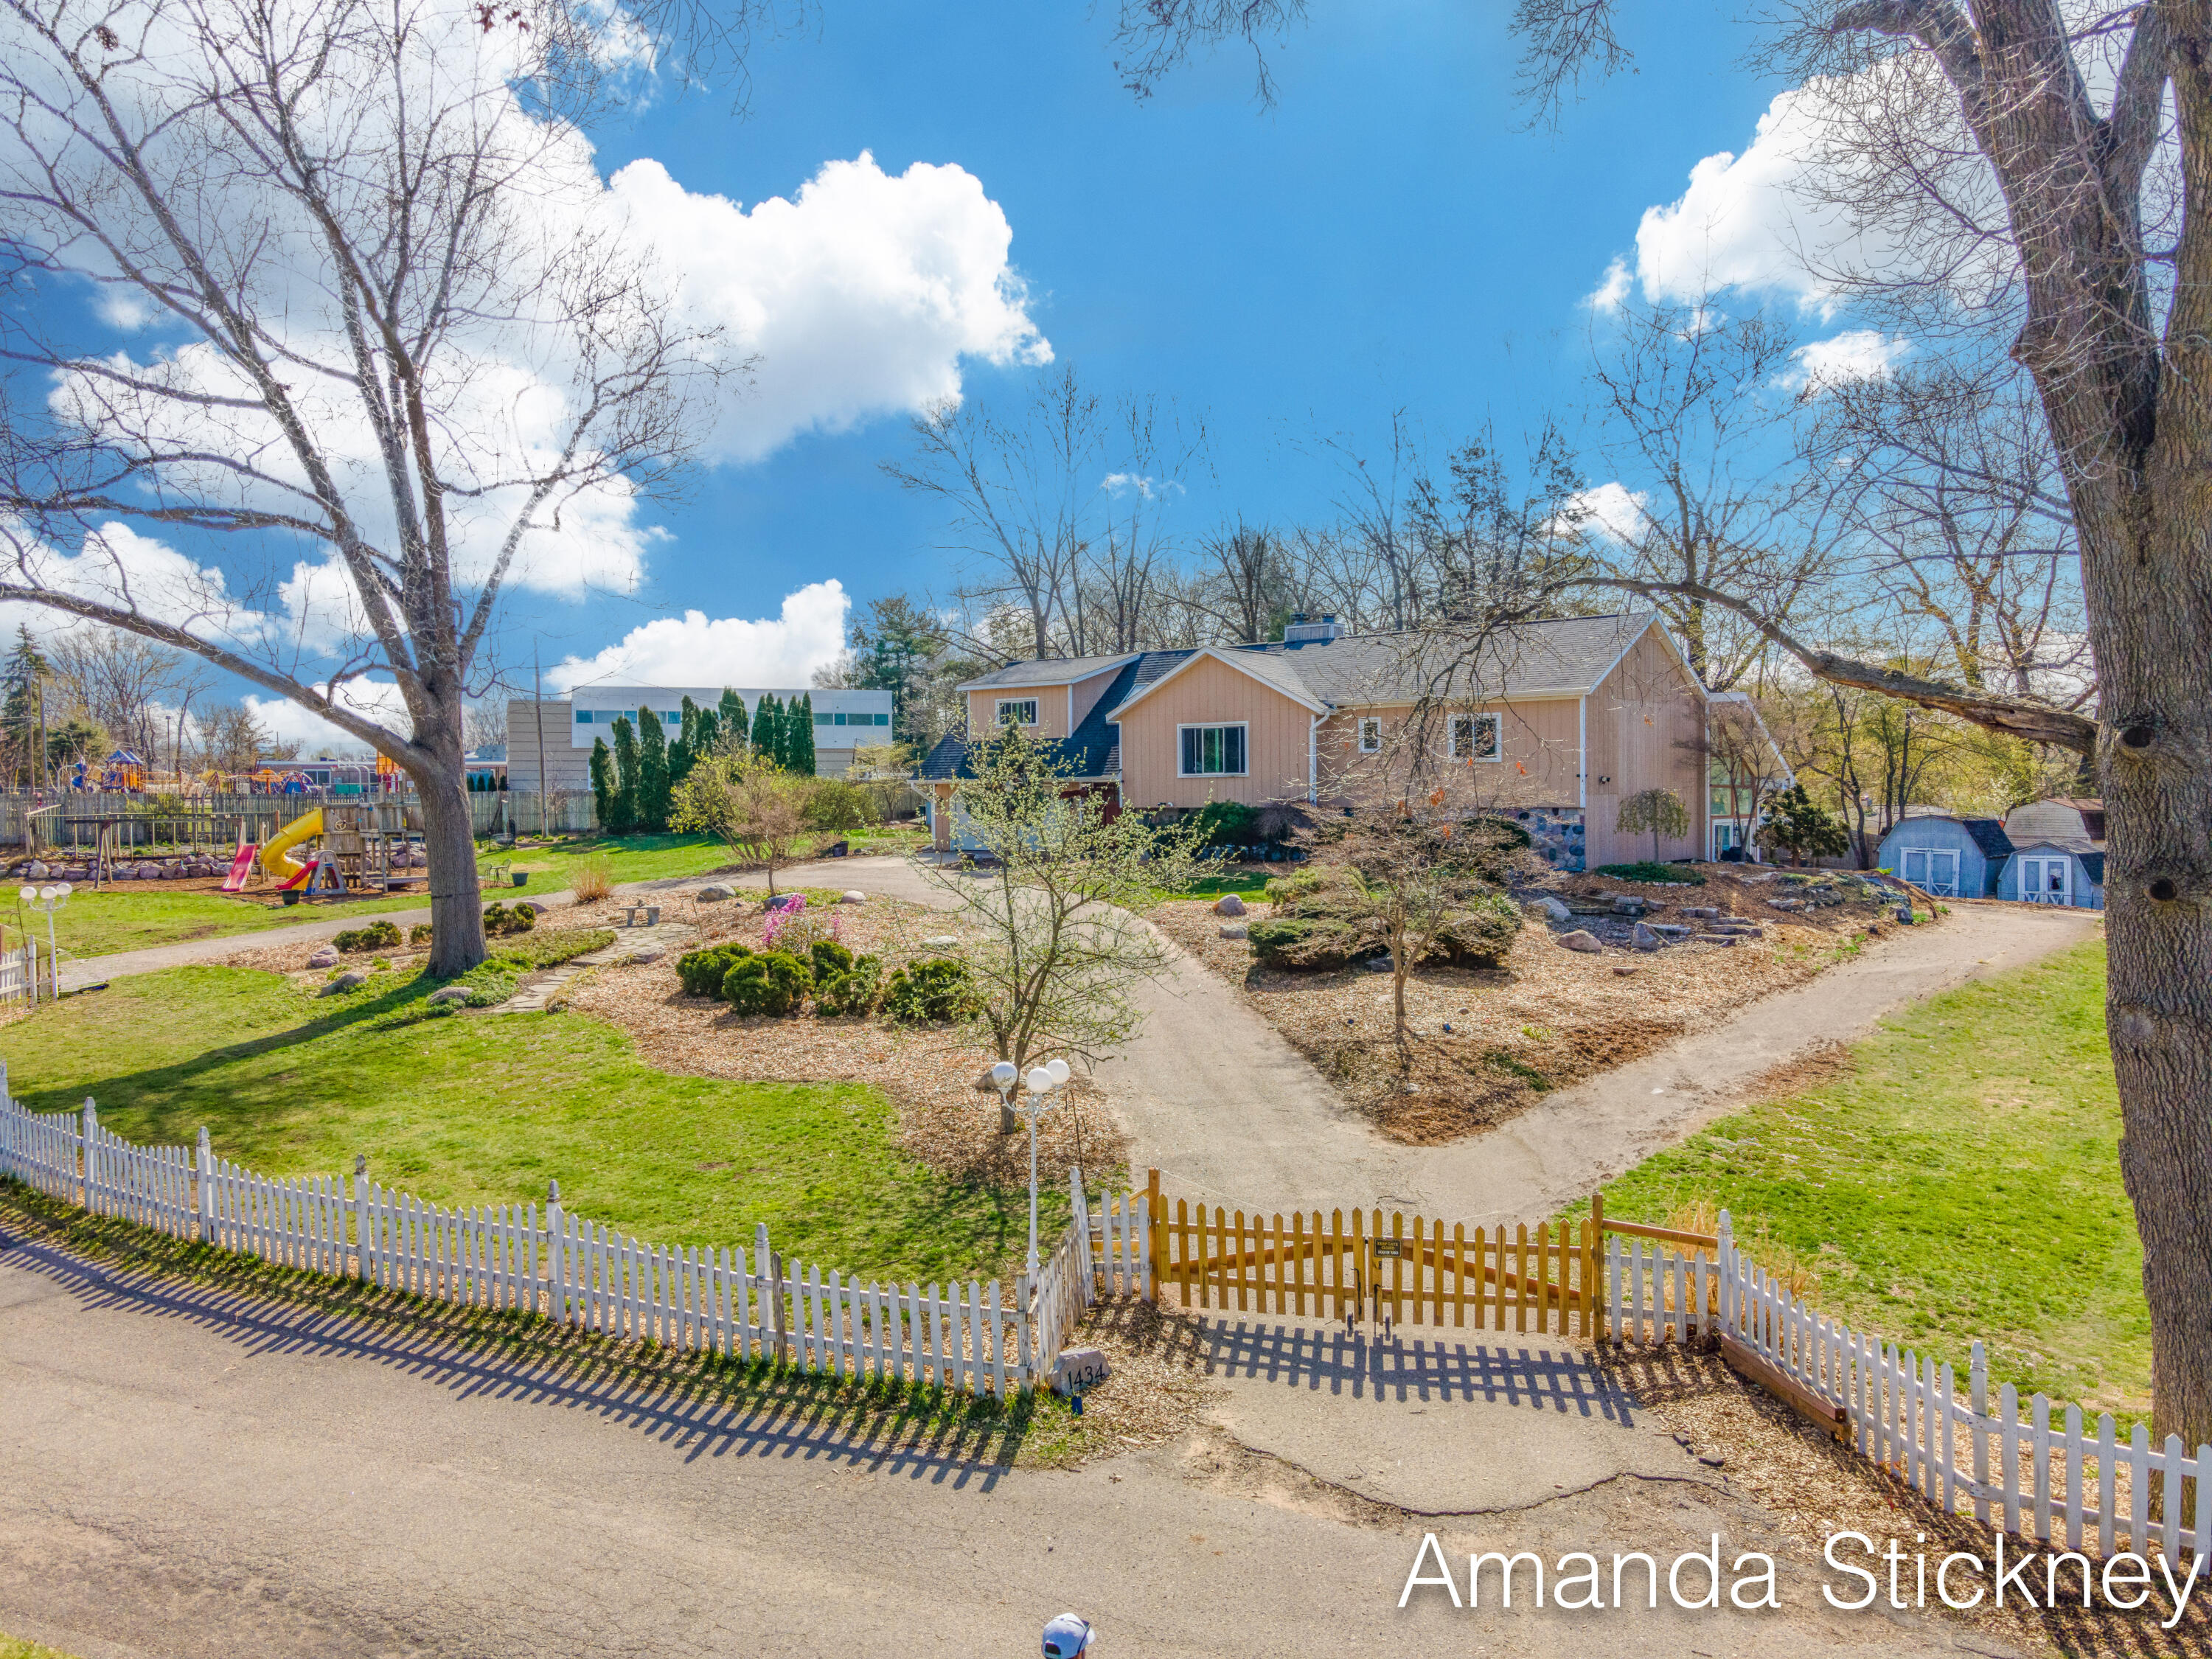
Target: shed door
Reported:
[(2044, 881), (1916, 867), (1942, 872)]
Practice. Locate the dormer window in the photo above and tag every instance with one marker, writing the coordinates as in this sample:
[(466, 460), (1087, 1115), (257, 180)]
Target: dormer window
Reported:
[(1017, 711)]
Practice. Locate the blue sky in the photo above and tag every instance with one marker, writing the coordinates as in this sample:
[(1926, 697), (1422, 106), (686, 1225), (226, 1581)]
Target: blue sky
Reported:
[(1390, 234)]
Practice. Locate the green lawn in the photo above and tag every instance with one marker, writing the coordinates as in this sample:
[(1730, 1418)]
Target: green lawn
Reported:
[(92, 924), (629, 858), (467, 1111), (1960, 1180)]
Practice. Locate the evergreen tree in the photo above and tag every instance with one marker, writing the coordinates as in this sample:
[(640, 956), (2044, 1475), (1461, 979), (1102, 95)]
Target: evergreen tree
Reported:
[(798, 736), (652, 770), (24, 674), (897, 647), (706, 735), (767, 727), (685, 751), (603, 781), (730, 716), (1802, 827), (624, 815)]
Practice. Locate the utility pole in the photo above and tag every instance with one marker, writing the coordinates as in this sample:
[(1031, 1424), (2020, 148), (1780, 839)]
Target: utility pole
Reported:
[(537, 719)]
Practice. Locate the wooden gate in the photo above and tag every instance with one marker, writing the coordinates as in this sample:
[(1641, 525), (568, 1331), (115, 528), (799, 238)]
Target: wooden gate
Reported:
[(1376, 1266)]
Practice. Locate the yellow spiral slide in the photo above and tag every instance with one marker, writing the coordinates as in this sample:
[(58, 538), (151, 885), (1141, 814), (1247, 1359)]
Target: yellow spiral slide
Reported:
[(277, 859)]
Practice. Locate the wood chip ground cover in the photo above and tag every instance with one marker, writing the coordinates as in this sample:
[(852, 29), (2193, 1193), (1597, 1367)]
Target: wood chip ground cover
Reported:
[(1548, 1018)]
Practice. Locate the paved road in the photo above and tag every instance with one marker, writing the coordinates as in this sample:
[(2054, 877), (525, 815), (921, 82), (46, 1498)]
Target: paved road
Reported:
[(187, 1475)]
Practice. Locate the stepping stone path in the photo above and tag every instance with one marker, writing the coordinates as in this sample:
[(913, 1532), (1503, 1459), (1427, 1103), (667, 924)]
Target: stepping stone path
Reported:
[(647, 944)]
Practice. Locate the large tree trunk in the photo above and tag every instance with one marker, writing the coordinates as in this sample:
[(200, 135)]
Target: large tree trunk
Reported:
[(2151, 607), (457, 942)]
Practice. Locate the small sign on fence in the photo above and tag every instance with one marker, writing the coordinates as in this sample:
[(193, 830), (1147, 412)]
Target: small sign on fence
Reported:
[(1387, 1247)]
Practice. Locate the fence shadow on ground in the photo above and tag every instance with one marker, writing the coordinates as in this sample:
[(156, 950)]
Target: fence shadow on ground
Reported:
[(698, 1415), (1416, 1364)]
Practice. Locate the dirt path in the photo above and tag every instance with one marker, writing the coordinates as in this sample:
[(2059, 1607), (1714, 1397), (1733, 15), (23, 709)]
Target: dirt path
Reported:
[(189, 1474)]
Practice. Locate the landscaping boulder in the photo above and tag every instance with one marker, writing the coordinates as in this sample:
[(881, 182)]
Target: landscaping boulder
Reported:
[(327, 957), (1581, 939), (1228, 905), (1627, 904), (450, 993), (1702, 911), (535, 907), (1645, 939), (346, 982), (1554, 909), (852, 896), (941, 941), (38, 871), (1235, 930), (1381, 964), (715, 894)]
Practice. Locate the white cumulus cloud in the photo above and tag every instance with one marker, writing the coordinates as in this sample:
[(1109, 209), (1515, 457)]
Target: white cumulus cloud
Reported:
[(1613, 509), (1748, 221), (859, 296), (1856, 354), (289, 722), (696, 649)]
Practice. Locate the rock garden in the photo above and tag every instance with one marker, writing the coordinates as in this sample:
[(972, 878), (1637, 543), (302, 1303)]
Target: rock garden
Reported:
[(1569, 976)]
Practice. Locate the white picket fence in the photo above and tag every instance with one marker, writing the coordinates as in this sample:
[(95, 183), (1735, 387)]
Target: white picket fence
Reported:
[(2018, 1469), (1103, 1253), (968, 1336)]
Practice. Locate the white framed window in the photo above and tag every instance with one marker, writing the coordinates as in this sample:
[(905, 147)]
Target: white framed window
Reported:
[(1017, 711), (1212, 751), (1474, 736), (1370, 734)]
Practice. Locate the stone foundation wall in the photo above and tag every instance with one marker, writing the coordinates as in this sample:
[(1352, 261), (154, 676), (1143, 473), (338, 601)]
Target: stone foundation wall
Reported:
[(1555, 834)]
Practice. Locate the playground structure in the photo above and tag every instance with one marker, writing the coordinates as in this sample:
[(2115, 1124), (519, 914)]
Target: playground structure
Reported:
[(360, 846)]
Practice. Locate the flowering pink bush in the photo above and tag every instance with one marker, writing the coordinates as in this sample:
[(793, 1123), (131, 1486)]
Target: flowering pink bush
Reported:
[(787, 929)]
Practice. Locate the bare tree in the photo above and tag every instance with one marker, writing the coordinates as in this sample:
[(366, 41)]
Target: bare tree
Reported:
[(402, 339), (129, 686), (1709, 499)]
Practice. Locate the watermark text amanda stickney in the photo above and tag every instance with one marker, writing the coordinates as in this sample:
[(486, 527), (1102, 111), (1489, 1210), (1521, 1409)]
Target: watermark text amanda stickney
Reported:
[(1859, 1574)]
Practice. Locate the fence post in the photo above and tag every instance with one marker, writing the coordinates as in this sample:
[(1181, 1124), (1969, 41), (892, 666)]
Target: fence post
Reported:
[(1980, 1376), (88, 1123), (360, 1227), (775, 1307), (204, 1185), (553, 1264), (1155, 1233), (1024, 1295), (1724, 1259)]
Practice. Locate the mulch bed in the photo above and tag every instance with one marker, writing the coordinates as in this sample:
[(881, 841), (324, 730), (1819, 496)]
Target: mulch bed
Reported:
[(1548, 1018)]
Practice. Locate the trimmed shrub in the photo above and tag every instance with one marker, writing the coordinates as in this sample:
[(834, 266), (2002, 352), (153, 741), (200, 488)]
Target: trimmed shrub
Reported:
[(854, 991), (1309, 942), (1644, 870), (828, 958), (377, 936), (418, 936), (703, 971), (1227, 823), (1482, 935), (936, 988), (499, 921), (774, 983)]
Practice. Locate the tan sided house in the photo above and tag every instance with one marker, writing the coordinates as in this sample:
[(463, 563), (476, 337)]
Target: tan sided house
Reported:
[(1558, 722)]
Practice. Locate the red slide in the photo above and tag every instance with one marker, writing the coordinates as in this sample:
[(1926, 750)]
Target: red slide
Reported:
[(236, 881)]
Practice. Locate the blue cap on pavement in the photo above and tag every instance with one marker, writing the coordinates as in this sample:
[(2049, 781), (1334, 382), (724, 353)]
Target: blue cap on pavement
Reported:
[(1066, 1637)]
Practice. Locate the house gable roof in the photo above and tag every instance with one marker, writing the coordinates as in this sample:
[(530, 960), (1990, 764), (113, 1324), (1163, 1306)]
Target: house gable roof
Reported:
[(1050, 671), (1988, 834), (1271, 673)]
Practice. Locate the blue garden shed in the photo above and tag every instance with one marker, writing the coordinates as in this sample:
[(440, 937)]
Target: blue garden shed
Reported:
[(1948, 857), (2056, 871)]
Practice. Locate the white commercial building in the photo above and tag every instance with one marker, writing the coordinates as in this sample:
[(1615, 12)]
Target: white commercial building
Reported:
[(843, 721)]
